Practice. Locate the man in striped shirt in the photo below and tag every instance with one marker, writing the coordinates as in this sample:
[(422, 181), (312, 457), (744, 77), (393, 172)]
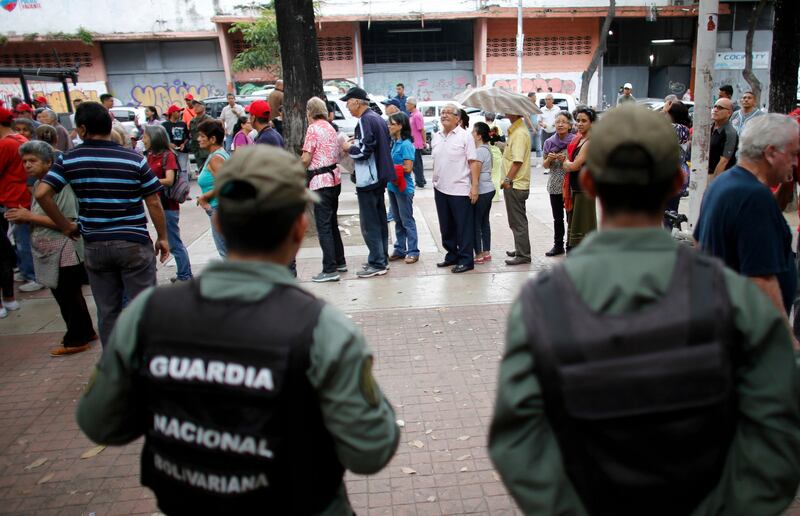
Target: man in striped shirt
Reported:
[(110, 183)]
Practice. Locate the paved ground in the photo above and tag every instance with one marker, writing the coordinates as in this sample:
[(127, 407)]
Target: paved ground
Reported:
[(437, 339)]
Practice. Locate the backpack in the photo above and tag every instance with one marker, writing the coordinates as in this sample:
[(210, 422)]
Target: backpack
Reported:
[(179, 191)]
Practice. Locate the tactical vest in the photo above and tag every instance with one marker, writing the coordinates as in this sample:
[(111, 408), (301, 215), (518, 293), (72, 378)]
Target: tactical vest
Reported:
[(233, 424), (642, 404)]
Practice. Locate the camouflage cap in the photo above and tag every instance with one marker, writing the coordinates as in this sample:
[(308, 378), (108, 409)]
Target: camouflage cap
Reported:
[(279, 180), (627, 127)]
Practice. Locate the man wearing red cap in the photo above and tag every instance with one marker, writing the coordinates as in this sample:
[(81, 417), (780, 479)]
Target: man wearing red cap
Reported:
[(188, 111), (40, 102), (178, 133), (259, 118)]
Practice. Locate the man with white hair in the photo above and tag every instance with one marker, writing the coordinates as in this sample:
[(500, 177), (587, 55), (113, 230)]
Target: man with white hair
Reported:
[(741, 223), (547, 120), (49, 117)]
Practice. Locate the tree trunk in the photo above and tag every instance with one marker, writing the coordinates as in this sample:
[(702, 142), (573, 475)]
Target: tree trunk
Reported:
[(747, 73), (599, 52), (785, 56), (302, 74)]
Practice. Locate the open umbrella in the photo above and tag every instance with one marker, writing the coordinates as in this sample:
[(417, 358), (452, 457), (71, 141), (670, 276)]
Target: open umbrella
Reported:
[(497, 100)]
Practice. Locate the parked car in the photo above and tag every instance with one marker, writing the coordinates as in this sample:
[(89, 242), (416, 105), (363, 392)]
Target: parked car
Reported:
[(658, 104), (129, 116), (341, 115), (214, 105), (566, 102)]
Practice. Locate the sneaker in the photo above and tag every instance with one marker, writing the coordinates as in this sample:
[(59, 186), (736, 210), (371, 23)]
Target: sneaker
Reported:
[(71, 350), (30, 286), (341, 268), (322, 277), (370, 272), (411, 259), (11, 305), (19, 278)]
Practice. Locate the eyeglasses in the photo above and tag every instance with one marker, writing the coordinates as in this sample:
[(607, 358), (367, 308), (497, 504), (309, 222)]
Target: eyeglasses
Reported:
[(720, 107), (446, 113)]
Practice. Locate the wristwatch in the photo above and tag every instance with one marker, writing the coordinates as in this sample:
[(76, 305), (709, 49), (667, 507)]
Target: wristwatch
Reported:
[(508, 180)]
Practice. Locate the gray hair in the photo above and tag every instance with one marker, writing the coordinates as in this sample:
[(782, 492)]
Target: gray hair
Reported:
[(452, 107), (159, 140), (549, 96), (47, 133), (411, 100), (38, 148), (317, 108), (489, 117), (670, 98), (770, 129), (26, 122), (51, 114)]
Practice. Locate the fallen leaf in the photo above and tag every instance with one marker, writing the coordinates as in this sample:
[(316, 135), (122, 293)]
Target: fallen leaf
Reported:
[(462, 437), (438, 346), (464, 457), (426, 325), (417, 444), (431, 498), (421, 339), (437, 332), (428, 432), (433, 437), (408, 471), (401, 423), (462, 470), (418, 357), (437, 391), (35, 464), (88, 454), (437, 398), (476, 357), (496, 476), (45, 478), (451, 322)]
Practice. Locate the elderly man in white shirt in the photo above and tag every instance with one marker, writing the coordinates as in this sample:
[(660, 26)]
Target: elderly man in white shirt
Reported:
[(455, 181), (230, 116), (547, 120)]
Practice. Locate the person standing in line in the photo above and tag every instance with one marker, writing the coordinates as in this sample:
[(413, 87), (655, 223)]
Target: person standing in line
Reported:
[(178, 133), (188, 112), (58, 259), (456, 173), (13, 194), (200, 154), (747, 112), (517, 185), (241, 133), (627, 95), (320, 157), (547, 122), (211, 136), (164, 164), (678, 115), (555, 154), (120, 257), (49, 117), (151, 116), (486, 190), (279, 399), (370, 150), (401, 191), (417, 123), (24, 127), (581, 209), (726, 92), (633, 312), (401, 98), (259, 119), (41, 102), (533, 126), (724, 140), (392, 106), (275, 101), (230, 117)]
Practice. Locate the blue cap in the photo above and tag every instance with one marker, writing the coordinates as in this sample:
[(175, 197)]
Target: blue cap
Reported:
[(392, 102)]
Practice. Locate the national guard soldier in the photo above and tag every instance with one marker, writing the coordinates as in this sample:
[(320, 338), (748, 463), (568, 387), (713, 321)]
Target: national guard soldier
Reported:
[(641, 377), (253, 395)]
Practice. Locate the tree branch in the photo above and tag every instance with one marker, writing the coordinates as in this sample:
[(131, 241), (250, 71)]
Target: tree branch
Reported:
[(747, 73), (599, 52)]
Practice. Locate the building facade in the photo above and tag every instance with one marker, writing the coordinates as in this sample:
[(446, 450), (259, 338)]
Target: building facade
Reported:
[(435, 47)]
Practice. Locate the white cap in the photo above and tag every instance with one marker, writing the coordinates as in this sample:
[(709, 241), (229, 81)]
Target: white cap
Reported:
[(628, 85)]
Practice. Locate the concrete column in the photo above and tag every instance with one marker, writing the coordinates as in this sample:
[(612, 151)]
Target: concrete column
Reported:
[(481, 34), (227, 55)]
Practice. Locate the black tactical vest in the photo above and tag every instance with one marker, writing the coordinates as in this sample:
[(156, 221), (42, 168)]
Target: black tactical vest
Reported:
[(642, 404), (233, 424)]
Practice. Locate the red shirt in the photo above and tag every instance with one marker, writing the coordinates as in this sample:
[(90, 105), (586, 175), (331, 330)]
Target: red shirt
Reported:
[(155, 163), (13, 178)]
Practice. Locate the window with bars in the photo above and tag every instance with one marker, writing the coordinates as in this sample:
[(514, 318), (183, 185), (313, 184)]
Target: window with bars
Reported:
[(45, 60), (540, 46)]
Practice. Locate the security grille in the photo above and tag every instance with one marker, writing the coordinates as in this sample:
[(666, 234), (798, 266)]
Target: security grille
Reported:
[(541, 46), (338, 48), (47, 60)]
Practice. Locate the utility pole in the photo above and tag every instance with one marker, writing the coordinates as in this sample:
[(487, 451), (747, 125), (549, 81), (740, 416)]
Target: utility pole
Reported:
[(701, 135), (520, 44)]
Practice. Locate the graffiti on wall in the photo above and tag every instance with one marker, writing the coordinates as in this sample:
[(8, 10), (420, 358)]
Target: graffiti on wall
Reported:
[(164, 95), (424, 85), (558, 84), (54, 93)]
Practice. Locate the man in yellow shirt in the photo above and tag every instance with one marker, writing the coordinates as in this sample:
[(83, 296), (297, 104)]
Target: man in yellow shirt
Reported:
[(516, 185)]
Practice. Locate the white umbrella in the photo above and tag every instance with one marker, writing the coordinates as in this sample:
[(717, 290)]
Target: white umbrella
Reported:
[(498, 100)]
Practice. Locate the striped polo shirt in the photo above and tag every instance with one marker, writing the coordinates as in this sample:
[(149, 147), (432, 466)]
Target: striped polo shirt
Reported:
[(110, 182)]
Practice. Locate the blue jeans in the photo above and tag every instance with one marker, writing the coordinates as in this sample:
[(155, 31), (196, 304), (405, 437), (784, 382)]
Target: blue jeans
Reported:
[(219, 242), (22, 239), (483, 230), (176, 246), (419, 169), (374, 229), (228, 142), (405, 228)]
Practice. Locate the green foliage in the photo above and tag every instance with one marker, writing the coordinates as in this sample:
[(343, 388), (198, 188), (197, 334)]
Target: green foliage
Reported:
[(262, 50), (3, 39), (85, 36)]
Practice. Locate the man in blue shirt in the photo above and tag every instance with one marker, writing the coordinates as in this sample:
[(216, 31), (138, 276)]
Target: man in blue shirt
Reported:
[(110, 182), (401, 97), (259, 118), (740, 221)]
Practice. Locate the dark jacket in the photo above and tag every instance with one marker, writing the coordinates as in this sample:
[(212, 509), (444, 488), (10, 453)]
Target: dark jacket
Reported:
[(376, 141)]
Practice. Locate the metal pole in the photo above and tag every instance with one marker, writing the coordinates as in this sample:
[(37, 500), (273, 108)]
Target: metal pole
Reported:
[(520, 43), (67, 98), (701, 135)]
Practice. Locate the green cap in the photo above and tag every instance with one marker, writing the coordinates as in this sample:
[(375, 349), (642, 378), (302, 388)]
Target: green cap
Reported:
[(633, 126), (279, 180)]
